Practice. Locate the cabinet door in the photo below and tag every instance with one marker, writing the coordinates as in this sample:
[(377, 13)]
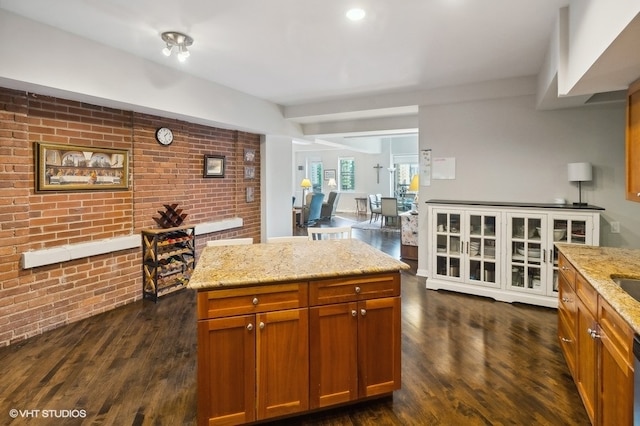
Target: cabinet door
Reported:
[(482, 249), (447, 237), (526, 252), (379, 365), (283, 362), (228, 342), (616, 368), (587, 360), (633, 142), (333, 337)]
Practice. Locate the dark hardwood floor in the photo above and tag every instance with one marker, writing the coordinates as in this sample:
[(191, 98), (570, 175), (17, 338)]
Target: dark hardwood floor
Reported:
[(466, 361)]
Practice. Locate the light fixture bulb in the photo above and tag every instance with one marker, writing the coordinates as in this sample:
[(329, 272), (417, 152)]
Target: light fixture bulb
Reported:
[(183, 54), (356, 14), (167, 50)]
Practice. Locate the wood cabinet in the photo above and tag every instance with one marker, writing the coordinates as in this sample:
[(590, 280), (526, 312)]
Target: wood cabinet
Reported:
[(168, 259), (348, 320), (248, 341), (598, 346), (505, 251), (633, 142), (272, 351)]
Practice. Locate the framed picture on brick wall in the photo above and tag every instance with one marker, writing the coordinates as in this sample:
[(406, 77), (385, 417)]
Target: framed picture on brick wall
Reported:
[(80, 168), (214, 166)]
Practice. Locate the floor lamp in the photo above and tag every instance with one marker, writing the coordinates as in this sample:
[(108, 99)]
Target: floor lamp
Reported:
[(580, 172), (305, 184)]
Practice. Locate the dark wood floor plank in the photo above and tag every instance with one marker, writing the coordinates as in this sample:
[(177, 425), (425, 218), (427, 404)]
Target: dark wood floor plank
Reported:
[(466, 361)]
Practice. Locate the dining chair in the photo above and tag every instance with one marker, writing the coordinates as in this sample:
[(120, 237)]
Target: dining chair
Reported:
[(389, 209), (287, 239), (230, 242), (374, 207), (339, 232)]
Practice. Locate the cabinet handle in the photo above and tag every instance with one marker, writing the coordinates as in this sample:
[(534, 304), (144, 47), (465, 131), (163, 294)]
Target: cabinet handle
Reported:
[(357, 290), (593, 333), (544, 255), (354, 313), (261, 325), (565, 340), (467, 244), (564, 268), (255, 301), (249, 326), (363, 312), (566, 300)]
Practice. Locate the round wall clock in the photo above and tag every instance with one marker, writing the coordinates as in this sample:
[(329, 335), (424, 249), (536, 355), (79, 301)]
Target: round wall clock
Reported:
[(164, 136)]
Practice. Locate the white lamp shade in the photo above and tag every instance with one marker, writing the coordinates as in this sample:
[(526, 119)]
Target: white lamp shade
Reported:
[(332, 183), (579, 172)]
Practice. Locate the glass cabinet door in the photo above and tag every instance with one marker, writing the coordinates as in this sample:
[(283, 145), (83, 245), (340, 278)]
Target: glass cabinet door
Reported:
[(448, 244), (566, 229), (482, 249), (526, 252)]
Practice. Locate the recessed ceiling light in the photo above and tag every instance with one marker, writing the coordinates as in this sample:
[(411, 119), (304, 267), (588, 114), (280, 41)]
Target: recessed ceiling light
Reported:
[(356, 14)]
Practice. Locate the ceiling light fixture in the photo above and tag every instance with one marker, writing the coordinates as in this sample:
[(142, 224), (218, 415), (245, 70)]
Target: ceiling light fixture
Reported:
[(179, 41), (356, 14)]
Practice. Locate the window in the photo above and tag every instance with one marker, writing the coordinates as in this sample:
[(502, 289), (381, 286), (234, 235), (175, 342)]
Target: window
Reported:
[(315, 176), (347, 172)]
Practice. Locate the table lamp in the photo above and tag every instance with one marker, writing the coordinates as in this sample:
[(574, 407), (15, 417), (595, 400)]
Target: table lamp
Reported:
[(580, 172), (305, 184), (332, 183)]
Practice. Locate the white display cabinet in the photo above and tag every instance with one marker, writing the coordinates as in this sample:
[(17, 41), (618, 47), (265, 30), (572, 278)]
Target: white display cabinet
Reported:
[(504, 250)]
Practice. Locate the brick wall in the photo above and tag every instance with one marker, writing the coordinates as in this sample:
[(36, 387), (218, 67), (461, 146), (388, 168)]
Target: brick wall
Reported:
[(36, 300)]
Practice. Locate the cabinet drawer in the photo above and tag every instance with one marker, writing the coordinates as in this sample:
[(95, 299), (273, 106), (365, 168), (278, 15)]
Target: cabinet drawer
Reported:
[(567, 302), (253, 299), (354, 288), (567, 270), (567, 340), (616, 333), (587, 294)]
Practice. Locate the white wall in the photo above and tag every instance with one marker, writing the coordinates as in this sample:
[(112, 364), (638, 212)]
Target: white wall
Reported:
[(506, 150), (277, 156), (594, 25)]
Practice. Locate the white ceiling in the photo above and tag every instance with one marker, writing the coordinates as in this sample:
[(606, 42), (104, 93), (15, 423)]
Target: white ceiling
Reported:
[(294, 52)]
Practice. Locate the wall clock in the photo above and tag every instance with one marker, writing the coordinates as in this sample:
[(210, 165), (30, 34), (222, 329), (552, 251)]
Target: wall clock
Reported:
[(164, 136)]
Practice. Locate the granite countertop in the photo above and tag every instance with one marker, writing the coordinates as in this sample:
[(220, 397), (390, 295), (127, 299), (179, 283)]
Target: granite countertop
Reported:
[(230, 266), (598, 264)]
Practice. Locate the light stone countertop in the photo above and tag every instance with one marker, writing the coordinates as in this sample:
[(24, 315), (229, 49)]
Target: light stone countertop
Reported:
[(231, 266), (598, 264)]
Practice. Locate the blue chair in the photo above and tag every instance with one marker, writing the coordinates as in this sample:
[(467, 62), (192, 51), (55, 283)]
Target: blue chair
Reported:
[(313, 209)]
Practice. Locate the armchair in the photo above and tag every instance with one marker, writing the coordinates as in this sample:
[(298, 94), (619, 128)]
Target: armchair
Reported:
[(312, 209), (329, 207)]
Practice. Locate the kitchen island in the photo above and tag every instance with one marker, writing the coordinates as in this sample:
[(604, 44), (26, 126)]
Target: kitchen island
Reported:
[(598, 264), (286, 328), (597, 321)]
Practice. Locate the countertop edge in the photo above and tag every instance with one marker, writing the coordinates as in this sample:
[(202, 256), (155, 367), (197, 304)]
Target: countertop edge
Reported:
[(229, 284)]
